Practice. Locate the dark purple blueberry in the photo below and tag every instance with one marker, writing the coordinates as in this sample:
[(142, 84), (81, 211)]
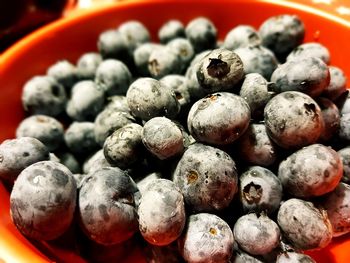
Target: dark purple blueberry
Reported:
[(221, 69), (304, 225), (256, 234), (42, 200), (260, 190), (311, 171), (43, 95), (282, 34), (95, 161), (219, 118), (337, 84), (207, 177), (241, 36), (17, 154), (107, 210), (206, 238), (161, 212), (87, 65), (331, 118), (309, 75), (293, 119), (170, 30), (344, 127)]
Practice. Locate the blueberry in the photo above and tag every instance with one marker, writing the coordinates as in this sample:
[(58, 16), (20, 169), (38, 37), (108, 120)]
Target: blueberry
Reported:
[(143, 183), (177, 84), (206, 238), (141, 56), (294, 257), (111, 44), (124, 146), (80, 138), (207, 177), (86, 101), (282, 34), (202, 33), (87, 65), (241, 36), (42, 200), (69, 161), (109, 120), (113, 76), (134, 34), (242, 257), (184, 50), (219, 118), (331, 118), (64, 72), (310, 49), (260, 190), (169, 253), (309, 75), (257, 91), (344, 107), (161, 212), (117, 103), (311, 171), (344, 127), (256, 234), (221, 69), (107, 210), (344, 154), (148, 98), (303, 225), (293, 119), (43, 95), (17, 154), (257, 59), (163, 137), (95, 161), (46, 129), (170, 30), (78, 177), (256, 147), (337, 85), (164, 60)]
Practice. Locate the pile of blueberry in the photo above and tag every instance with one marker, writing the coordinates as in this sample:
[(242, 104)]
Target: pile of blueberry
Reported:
[(200, 150)]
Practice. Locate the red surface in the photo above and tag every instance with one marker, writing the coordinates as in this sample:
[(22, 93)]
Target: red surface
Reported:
[(70, 37)]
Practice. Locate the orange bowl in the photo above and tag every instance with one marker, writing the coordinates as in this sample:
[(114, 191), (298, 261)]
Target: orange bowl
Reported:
[(70, 37)]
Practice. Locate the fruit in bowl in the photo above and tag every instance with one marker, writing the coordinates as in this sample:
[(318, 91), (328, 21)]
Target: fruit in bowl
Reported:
[(219, 74)]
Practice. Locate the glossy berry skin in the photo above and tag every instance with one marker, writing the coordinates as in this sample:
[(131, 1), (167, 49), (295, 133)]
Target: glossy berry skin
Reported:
[(107, 212), (337, 206), (80, 138), (241, 36), (43, 200), (260, 190), (221, 69), (113, 76), (87, 65), (17, 154), (311, 171), (304, 225), (310, 49), (109, 120), (257, 59), (206, 239), (309, 75), (219, 118), (293, 119), (86, 101), (202, 33), (43, 95), (46, 129), (282, 34), (124, 146), (161, 212), (256, 234), (344, 154), (207, 177), (170, 30), (148, 98), (257, 91), (64, 72), (163, 137)]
